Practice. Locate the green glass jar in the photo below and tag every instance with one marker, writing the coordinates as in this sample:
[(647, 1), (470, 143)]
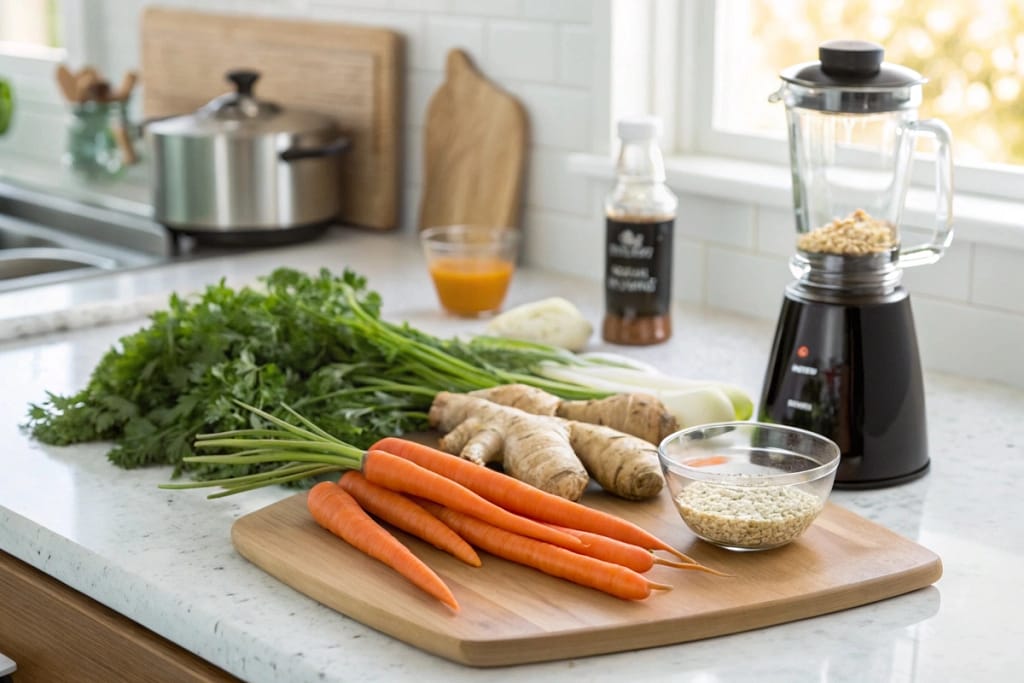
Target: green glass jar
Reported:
[(92, 148)]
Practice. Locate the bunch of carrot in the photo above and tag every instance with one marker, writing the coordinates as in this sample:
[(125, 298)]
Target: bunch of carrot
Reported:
[(449, 502)]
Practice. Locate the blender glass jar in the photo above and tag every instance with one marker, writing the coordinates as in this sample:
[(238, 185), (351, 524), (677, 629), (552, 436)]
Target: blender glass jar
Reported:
[(853, 126)]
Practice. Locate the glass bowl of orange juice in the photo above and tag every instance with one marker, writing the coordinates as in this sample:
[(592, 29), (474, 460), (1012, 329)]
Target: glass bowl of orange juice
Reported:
[(471, 266)]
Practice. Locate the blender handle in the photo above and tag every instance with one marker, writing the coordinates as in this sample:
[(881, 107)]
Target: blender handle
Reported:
[(943, 235)]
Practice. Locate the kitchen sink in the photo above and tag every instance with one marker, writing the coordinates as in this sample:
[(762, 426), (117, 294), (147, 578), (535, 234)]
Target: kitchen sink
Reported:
[(20, 263), (46, 238)]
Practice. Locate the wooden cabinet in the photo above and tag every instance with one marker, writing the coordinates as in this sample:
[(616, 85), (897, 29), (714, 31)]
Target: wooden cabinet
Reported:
[(54, 633)]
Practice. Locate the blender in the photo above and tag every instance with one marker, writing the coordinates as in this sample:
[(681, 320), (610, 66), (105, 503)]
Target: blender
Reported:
[(844, 361)]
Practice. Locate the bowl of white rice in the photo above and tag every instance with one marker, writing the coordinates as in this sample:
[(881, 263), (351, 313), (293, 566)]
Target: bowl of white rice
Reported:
[(748, 485)]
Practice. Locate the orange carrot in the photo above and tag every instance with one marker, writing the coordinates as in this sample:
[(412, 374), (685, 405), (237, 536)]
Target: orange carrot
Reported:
[(707, 461), (406, 515), (403, 475), (628, 555), (524, 499), (607, 577), (338, 512)]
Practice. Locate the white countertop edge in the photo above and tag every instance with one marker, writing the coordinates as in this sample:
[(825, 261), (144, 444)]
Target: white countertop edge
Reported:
[(205, 633)]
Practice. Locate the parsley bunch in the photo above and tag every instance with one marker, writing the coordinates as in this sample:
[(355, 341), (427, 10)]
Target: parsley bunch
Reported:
[(316, 343)]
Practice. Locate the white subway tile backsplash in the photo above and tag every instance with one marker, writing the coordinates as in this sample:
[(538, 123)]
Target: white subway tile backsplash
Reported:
[(688, 270), (949, 278), (524, 50), (342, 5), (550, 185), (409, 210), (559, 116), (423, 5), (599, 189), (576, 56), (39, 90), (490, 8), (716, 221), (968, 340), (412, 156), (420, 87), (580, 11), (776, 231), (999, 278), (565, 243), (35, 132), (745, 283), (445, 33)]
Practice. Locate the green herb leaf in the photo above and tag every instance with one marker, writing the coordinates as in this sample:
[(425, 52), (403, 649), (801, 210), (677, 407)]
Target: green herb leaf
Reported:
[(315, 342)]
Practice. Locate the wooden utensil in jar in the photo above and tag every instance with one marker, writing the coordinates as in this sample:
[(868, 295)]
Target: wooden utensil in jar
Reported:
[(66, 81), (85, 79), (124, 91)]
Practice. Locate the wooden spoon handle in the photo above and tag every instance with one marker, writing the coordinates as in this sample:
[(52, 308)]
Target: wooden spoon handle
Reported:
[(124, 144), (66, 81), (124, 91)]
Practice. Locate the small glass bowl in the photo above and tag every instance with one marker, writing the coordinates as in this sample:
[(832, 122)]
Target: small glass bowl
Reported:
[(748, 485), (471, 266)]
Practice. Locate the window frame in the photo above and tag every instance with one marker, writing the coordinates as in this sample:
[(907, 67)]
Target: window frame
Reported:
[(23, 61), (691, 90)]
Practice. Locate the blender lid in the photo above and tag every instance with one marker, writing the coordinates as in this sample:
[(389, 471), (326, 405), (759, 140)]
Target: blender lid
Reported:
[(852, 76)]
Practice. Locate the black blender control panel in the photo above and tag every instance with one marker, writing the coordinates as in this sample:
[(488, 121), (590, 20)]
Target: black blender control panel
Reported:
[(811, 370), (799, 367)]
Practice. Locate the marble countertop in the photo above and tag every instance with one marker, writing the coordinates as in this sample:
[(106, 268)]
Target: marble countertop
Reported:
[(165, 559)]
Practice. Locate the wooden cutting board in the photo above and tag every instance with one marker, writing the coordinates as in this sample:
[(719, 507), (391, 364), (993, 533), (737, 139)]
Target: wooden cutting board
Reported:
[(512, 614), (351, 73), (474, 151)]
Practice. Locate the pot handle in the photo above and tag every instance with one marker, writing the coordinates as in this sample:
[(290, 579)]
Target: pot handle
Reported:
[(333, 148)]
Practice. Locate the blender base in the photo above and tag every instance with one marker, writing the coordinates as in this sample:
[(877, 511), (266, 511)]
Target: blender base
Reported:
[(849, 369)]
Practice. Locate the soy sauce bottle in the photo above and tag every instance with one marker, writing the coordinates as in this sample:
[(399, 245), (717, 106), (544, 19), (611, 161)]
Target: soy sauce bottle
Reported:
[(641, 212)]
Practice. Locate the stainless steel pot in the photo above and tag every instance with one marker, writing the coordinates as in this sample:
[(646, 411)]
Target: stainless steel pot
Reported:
[(245, 169)]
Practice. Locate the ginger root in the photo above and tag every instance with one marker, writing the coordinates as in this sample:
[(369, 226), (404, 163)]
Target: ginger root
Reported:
[(532, 448), (639, 414), (551, 453)]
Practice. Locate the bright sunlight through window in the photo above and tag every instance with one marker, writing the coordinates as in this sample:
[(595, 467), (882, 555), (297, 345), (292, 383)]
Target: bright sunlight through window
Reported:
[(971, 52), (30, 22)]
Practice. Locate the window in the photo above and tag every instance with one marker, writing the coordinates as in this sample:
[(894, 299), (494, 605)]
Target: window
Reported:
[(27, 25), (971, 52), (35, 36)]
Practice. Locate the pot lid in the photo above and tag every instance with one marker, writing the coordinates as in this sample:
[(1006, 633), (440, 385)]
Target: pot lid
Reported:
[(242, 104), (852, 76), (241, 114)]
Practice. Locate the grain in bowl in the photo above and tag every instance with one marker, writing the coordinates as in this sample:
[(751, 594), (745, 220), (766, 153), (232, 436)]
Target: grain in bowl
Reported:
[(744, 516), (748, 485)]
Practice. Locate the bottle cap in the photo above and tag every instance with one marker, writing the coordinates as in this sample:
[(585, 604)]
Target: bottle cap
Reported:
[(635, 128)]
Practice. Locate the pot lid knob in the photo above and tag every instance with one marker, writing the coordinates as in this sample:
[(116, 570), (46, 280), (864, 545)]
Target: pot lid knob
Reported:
[(851, 58), (244, 80), (242, 104)]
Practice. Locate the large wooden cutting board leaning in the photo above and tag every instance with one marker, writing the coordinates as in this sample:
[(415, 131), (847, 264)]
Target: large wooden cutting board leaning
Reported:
[(351, 73), (475, 143), (512, 614)]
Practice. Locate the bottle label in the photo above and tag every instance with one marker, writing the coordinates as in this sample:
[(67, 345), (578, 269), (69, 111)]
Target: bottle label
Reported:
[(638, 268)]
